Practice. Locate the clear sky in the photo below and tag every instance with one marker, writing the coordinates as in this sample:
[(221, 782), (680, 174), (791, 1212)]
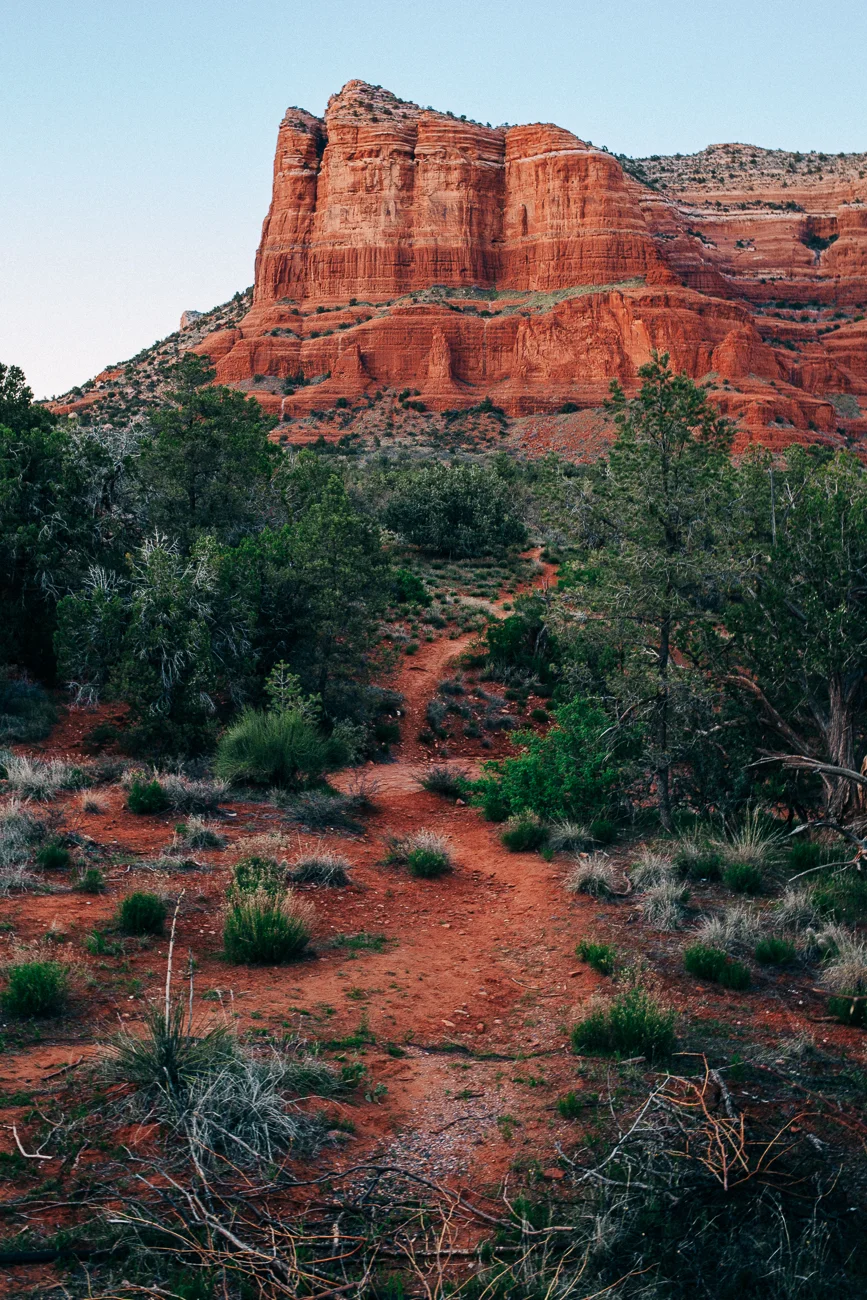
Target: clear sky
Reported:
[(136, 139)]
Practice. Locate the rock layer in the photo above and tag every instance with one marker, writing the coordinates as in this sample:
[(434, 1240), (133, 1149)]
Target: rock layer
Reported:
[(407, 248)]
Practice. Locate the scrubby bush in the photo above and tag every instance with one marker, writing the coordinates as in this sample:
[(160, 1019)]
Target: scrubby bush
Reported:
[(263, 928), (603, 830), (26, 712), (458, 510), (715, 965), (450, 782), (696, 859), (409, 588), (186, 795), (43, 779), (253, 874), (272, 748), (524, 832), (36, 990), (328, 870), (651, 868), (633, 1024), (566, 836), (197, 834), (663, 905), (841, 896), (796, 910), (91, 881), (53, 856), (146, 798), (602, 957), (569, 772), (772, 951), (424, 853), (735, 927), (141, 914), (743, 878)]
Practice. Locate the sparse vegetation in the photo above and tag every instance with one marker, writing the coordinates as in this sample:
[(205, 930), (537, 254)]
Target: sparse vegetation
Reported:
[(601, 956), (141, 914), (632, 1024), (327, 870), (594, 874), (715, 965)]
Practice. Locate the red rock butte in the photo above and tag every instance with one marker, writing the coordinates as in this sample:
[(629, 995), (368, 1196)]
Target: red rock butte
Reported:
[(408, 248)]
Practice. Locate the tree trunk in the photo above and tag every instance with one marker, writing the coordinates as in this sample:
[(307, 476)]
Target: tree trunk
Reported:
[(663, 770), (840, 740)]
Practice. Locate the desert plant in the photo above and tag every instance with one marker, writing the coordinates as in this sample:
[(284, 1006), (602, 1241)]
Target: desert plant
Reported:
[(566, 836), (36, 990), (323, 869), (42, 779), (602, 957), (253, 873), (263, 928), (715, 965), (845, 970), (743, 878), (198, 834), (756, 840), (651, 868), (146, 798), (275, 748), (663, 905), (632, 1024), (167, 1056), (450, 782), (795, 910), (697, 859), (735, 927), (141, 914), (841, 896), (424, 853), (772, 951), (188, 795), (595, 875), (26, 712), (90, 804), (53, 856), (90, 881), (524, 832), (320, 810)]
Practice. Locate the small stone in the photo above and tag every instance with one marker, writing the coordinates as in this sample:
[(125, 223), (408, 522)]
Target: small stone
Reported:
[(449, 1024), (480, 1027), (553, 1175)]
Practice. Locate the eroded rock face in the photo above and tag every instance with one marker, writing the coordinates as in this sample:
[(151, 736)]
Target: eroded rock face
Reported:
[(406, 248)]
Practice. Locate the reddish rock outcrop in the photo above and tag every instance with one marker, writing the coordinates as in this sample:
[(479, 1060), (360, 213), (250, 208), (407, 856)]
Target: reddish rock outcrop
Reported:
[(407, 248)]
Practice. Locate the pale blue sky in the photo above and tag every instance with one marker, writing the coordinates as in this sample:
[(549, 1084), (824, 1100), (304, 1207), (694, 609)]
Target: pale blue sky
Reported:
[(136, 140)]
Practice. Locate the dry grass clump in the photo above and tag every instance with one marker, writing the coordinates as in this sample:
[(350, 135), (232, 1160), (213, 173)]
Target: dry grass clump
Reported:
[(327, 870), (650, 869), (424, 853), (20, 835), (42, 779), (795, 910), (664, 905), (594, 874), (755, 841), (846, 967), (198, 834), (735, 927), (568, 837)]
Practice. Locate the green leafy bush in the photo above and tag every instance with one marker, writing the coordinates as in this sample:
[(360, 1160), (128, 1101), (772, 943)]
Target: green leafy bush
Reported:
[(53, 856), (568, 772), (273, 748), (715, 965), (409, 588), (806, 854), (524, 833), (743, 878), (458, 510), (36, 989), (146, 797), (427, 863), (775, 952), (601, 956), (602, 830), (634, 1024), (141, 913), (263, 928)]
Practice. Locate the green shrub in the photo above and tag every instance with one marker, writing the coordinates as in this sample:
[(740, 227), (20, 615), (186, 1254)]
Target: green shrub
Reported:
[(53, 856), (775, 952), (36, 989), (427, 863), (574, 1104), (743, 878), (715, 965), (424, 853), (253, 873), (409, 588), (458, 510), (146, 797), (540, 715), (849, 1010), (841, 897), (601, 956), (603, 831), (386, 732), (697, 860), (634, 1024), (265, 929), (91, 881), (493, 805), (141, 914), (567, 773), (450, 782), (524, 833), (805, 854), (276, 748)]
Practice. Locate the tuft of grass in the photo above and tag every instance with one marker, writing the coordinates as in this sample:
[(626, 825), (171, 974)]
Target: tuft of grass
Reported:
[(664, 905), (424, 853), (263, 928), (91, 881), (145, 798), (772, 951), (715, 965), (573, 1104), (320, 810), (524, 833), (449, 782), (594, 875), (743, 878), (364, 941), (90, 804), (633, 1024), (283, 749), (254, 873), (327, 870), (735, 927), (602, 957), (141, 914), (566, 837), (198, 834), (696, 859), (651, 868), (20, 834), (187, 795), (53, 856), (757, 840), (34, 778), (795, 910), (36, 990), (846, 967), (841, 897)]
